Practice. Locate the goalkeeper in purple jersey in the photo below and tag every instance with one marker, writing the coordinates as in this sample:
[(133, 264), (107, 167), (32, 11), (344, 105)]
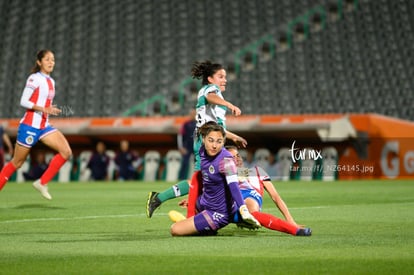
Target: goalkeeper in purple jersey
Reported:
[(221, 201)]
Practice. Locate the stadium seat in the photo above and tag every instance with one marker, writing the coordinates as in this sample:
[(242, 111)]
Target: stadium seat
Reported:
[(273, 167), (261, 157), (172, 165), (191, 167), (49, 156), (329, 162), (151, 165), (84, 171), (65, 171), (25, 168), (284, 163), (111, 165), (307, 166), (243, 154)]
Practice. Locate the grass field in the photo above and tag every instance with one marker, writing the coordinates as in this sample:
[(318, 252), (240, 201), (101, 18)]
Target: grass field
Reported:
[(359, 227)]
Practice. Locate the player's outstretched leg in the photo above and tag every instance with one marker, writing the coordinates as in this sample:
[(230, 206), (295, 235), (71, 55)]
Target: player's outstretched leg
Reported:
[(153, 203), (274, 223), (155, 199), (304, 232)]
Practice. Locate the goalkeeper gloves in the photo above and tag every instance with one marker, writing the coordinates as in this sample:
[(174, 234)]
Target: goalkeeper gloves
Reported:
[(247, 217)]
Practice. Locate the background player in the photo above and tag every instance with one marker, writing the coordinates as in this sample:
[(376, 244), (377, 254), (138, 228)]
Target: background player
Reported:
[(37, 98)]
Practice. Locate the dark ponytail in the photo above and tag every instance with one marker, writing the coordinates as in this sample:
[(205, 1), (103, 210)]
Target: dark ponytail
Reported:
[(203, 70)]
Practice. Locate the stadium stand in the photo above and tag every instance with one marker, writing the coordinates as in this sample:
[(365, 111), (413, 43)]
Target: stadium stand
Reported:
[(335, 56), (151, 164)]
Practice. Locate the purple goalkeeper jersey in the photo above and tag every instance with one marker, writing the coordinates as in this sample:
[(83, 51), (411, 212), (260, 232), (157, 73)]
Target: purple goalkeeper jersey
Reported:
[(217, 172)]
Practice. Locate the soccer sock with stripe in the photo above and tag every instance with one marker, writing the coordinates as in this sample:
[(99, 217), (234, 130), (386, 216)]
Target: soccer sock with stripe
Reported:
[(175, 191), (6, 173), (54, 166), (274, 223)]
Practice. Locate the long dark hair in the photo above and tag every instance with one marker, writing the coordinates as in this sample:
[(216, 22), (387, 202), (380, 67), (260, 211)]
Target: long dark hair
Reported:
[(202, 70), (40, 54)]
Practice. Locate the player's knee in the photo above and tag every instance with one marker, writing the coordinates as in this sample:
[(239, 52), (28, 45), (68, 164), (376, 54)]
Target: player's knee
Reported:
[(17, 163), (177, 229), (66, 153), (173, 230)]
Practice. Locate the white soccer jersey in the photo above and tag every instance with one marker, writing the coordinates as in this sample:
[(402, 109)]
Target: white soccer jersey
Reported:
[(252, 178), (209, 112), (40, 91)]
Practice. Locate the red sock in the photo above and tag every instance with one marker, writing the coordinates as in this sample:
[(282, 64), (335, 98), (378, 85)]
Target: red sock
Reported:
[(6, 173), (274, 223), (54, 166), (193, 193)]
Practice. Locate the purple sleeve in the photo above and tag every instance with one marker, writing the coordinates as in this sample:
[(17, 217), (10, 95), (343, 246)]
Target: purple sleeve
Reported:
[(236, 194), (229, 169)]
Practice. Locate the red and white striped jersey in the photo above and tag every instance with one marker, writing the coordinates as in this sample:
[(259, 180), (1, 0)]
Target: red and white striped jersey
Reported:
[(40, 91), (252, 178)]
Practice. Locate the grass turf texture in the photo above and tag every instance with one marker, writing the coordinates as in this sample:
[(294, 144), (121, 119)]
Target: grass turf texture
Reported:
[(359, 227)]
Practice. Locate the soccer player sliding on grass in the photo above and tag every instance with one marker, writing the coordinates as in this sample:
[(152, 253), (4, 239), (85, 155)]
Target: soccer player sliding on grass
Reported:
[(221, 202), (252, 182)]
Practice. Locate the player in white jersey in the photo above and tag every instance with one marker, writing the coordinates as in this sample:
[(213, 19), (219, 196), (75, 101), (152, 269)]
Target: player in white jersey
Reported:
[(211, 106), (37, 98)]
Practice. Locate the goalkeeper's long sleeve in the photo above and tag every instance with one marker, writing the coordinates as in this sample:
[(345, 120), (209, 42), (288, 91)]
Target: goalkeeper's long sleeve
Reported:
[(236, 194), (229, 169)]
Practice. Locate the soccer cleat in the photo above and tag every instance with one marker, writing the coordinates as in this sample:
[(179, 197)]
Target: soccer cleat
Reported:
[(42, 189), (175, 216), (304, 232), (152, 203), (245, 225), (247, 217)]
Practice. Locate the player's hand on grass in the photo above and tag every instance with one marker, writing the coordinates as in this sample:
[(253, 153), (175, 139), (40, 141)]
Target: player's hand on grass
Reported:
[(183, 203), (295, 224)]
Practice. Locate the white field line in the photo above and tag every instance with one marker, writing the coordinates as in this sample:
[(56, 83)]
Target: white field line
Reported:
[(71, 218), (109, 216)]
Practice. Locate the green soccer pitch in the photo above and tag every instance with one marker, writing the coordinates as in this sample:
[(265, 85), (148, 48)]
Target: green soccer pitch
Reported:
[(359, 227)]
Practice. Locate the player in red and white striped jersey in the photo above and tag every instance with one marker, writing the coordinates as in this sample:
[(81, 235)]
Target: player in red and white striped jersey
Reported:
[(37, 98)]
